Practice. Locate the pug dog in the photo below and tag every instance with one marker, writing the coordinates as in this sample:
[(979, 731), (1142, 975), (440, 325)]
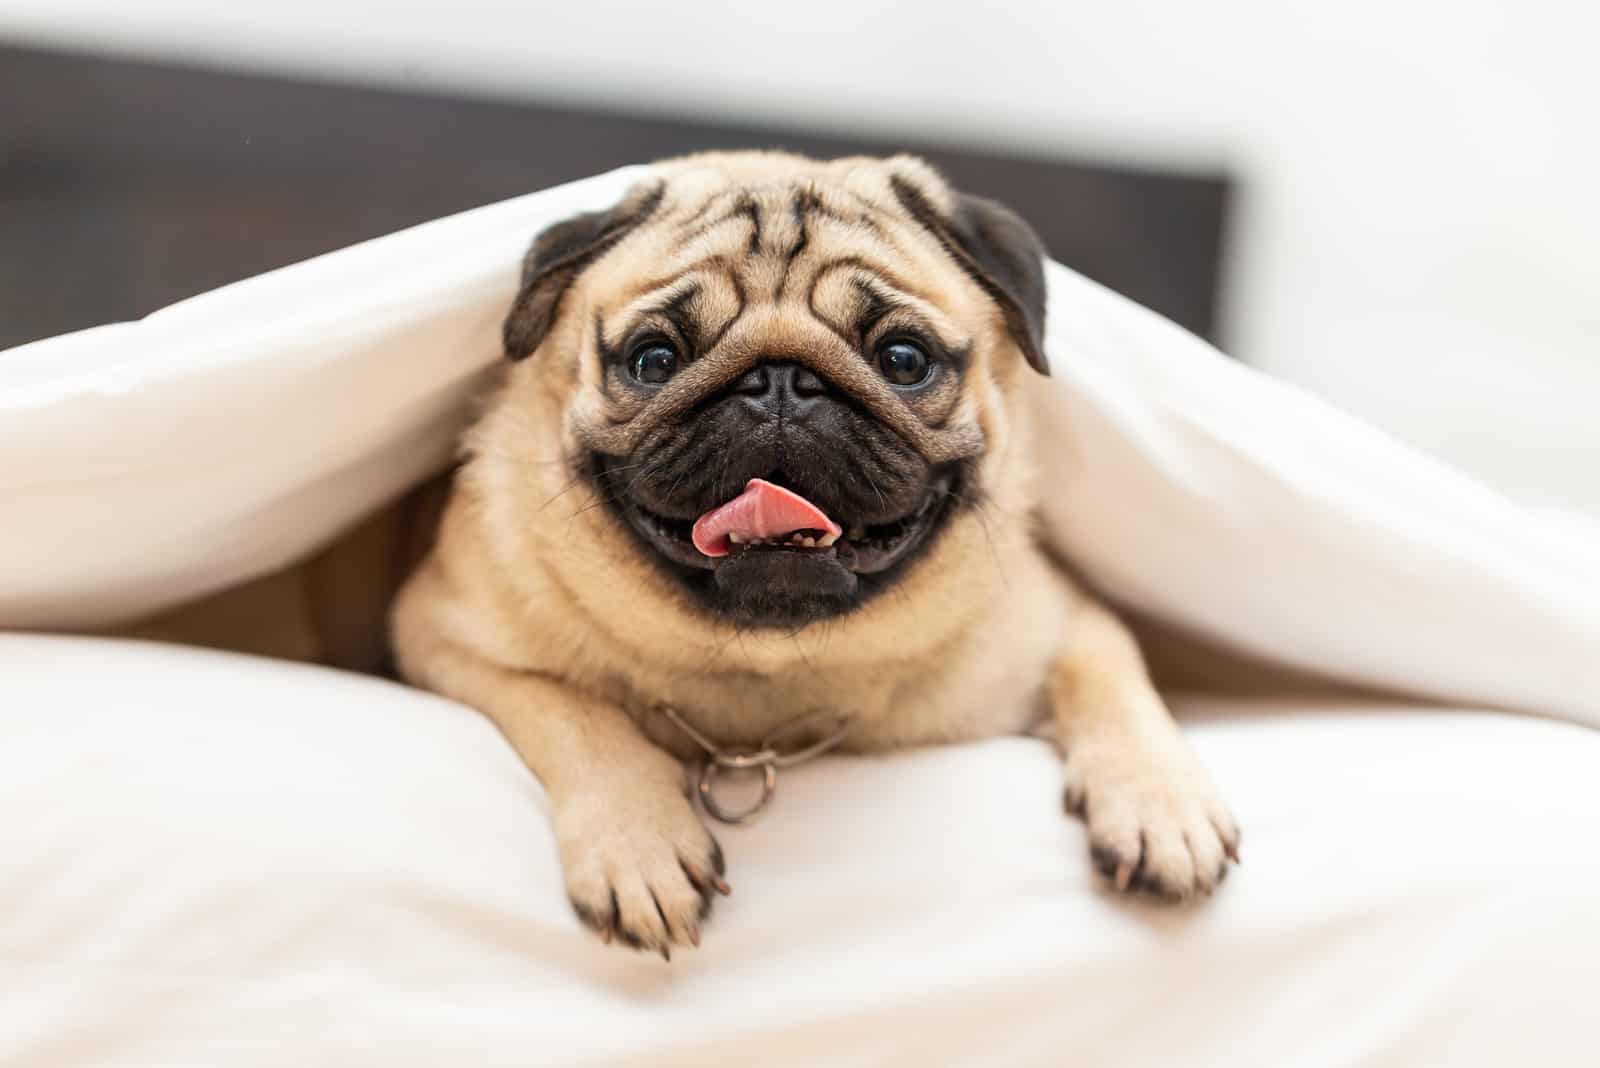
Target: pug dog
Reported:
[(762, 451)]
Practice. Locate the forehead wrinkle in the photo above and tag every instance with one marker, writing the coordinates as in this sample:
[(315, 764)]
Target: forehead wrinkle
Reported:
[(701, 209), (655, 301), (893, 237), (708, 304), (901, 300), (739, 227), (870, 208), (652, 283), (714, 263), (809, 201), (855, 261)]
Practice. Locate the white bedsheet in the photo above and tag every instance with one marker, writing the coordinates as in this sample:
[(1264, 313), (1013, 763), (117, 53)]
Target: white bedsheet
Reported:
[(212, 860)]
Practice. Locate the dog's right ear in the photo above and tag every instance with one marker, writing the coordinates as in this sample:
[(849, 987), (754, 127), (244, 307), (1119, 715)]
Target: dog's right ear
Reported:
[(559, 254), (998, 251)]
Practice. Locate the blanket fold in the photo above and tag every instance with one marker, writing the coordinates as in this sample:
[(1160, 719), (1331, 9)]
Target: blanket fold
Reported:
[(146, 464)]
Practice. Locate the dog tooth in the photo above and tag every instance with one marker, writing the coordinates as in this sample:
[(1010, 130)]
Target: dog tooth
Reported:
[(809, 543), (736, 538), (827, 540)]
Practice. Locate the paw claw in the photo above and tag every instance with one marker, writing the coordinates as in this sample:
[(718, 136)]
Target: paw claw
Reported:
[(1124, 877), (640, 881), (1155, 822), (1073, 800)]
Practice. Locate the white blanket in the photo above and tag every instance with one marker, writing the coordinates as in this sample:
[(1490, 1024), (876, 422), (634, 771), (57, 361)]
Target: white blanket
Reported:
[(147, 463)]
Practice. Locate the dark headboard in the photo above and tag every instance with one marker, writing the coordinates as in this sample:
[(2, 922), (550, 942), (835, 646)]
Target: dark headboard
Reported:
[(125, 186)]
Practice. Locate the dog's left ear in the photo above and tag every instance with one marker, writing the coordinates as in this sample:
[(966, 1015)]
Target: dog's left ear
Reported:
[(559, 254), (998, 251)]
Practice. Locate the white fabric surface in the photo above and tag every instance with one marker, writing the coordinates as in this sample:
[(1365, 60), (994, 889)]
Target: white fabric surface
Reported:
[(221, 438), (211, 860)]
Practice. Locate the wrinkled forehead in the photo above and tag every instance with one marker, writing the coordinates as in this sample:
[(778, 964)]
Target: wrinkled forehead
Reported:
[(827, 251)]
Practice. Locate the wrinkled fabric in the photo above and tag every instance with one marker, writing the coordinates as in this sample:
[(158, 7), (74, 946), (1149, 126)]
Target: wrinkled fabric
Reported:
[(210, 859)]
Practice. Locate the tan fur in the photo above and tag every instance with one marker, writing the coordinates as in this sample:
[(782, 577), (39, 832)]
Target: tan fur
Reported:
[(538, 608)]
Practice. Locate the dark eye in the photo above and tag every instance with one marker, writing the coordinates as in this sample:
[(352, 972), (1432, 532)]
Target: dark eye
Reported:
[(654, 362), (904, 363)]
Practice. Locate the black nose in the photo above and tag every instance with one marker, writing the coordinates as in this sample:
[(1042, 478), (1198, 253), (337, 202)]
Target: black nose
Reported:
[(783, 387)]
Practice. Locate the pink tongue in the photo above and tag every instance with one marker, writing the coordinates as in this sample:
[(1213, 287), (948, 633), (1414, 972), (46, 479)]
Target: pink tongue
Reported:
[(761, 511)]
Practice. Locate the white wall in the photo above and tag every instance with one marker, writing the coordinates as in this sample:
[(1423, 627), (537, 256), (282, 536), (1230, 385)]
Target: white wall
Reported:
[(1419, 229)]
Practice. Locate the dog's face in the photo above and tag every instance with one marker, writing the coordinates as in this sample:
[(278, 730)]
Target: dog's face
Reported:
[(783, 377)]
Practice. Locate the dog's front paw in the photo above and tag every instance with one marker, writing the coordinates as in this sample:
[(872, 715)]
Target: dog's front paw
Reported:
[(640, 868), (1155, 820)]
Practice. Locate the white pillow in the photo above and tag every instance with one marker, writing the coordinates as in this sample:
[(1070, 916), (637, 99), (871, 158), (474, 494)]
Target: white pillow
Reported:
[(148, 463)]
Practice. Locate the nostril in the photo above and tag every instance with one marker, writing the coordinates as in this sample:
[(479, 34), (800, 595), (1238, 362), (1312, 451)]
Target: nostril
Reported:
[(754, 381), (808, 384), (777, 385)]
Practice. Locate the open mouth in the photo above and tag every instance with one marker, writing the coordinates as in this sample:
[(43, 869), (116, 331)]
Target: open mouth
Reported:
[(769, 522)]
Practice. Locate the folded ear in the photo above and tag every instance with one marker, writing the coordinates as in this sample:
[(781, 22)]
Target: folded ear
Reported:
[(559, 254), (999, 251)]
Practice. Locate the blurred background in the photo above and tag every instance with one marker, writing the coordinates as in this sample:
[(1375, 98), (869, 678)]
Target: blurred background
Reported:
[(1391, 203)]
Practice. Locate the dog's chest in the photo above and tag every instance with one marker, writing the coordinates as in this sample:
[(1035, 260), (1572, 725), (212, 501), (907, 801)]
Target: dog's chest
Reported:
[(888, 707)]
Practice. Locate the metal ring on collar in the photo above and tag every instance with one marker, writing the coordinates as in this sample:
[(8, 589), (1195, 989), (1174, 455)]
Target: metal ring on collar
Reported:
[(710, 769)]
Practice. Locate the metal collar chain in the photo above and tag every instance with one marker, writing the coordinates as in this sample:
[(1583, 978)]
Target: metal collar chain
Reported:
[(765, 758)]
